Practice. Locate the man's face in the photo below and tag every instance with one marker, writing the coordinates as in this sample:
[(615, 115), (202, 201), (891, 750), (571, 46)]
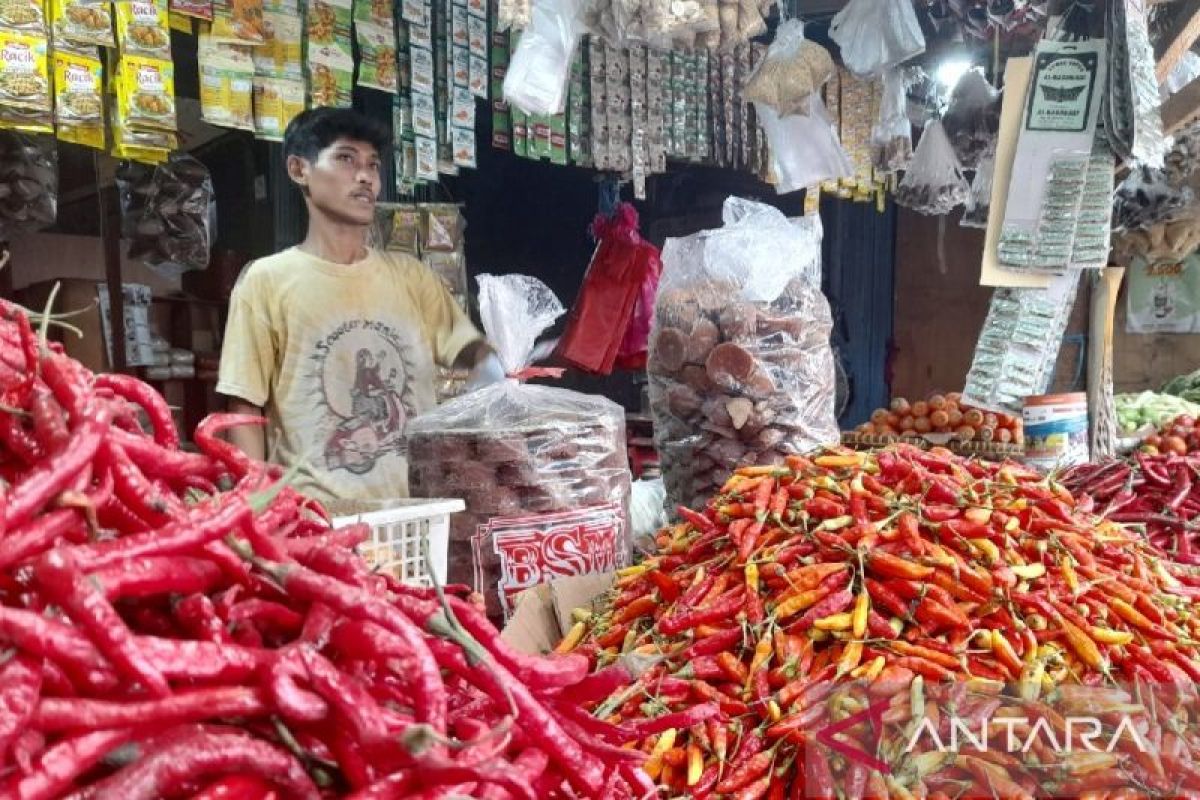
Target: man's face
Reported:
[(343, 182)]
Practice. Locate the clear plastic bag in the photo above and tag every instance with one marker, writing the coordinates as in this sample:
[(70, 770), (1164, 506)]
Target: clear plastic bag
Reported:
[(741, 370), (1184, 72), (934, 183), (876, 35), (168, 213), (28, 183), (979, 202), (543, 470), (791, 71), (972, 118), (891, 138), (804, 149), (540, 69)]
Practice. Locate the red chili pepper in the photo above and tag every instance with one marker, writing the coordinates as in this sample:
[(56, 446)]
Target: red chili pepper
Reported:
[(62, 581), (747, 772), (834, 604), (931, 612), (45, 480), (61, 643), (238, 787), (722, 608), (141, 394), (38, 535), (57, 768), (183, 759), (155, 576), (20, 687), (54, 714), (696, 520), (237, 462), (49, 421), (668, 588), (894, 567), (885, 597)]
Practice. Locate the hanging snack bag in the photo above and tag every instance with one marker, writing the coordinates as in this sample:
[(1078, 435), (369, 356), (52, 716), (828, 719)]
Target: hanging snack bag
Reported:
[(543, 470), (82, 22), (934, 183), (282, 53), (330, 63), (377, 56), (79, 98), (24, 73), (143, 27), (791, 71), (146, 94), (169, 214), (197, 9), (891, 138), (876, 35), (226, 85), (238, 22), (23, 15), (740, 367), (276, 102), (972, 119)]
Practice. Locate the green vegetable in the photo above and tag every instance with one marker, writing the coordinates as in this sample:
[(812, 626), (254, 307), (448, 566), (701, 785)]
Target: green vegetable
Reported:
[(1151, 409)]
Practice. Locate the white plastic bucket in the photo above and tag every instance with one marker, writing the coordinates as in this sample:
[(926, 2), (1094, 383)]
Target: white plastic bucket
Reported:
[(1056, 430)]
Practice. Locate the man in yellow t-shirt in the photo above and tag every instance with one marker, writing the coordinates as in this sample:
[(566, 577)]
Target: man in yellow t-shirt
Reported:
[(334, 341)]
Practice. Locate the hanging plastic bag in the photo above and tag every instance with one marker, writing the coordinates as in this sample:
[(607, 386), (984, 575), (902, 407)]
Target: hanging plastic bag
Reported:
[(891, 138), (791, 71), (28, 183), (1183, 73), (972, 119), (538, 74), (168, 214), (604, 324), (543, 470), (934, 183), (979, 201), (804, 149), (876, 35), (740, 371)]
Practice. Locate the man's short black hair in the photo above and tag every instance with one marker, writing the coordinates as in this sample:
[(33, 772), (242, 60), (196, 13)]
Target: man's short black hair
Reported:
[(312, 131)]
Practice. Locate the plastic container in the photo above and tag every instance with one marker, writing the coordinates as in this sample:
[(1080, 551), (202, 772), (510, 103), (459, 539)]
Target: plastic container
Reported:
[(398, 528), (1056, 430)]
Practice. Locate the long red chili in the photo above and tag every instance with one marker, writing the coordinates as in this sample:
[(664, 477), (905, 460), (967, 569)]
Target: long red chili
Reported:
[(57, 768), (62, 581), (20, 687), (158, 575), (195, 705), (142, 394)]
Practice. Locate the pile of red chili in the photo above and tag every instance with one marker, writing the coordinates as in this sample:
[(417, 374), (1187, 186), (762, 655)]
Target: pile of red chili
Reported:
[(894, 571), (1158, 493), (179, 624)]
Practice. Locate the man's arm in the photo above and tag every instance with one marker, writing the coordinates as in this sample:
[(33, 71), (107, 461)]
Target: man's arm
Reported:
[(250, 439)]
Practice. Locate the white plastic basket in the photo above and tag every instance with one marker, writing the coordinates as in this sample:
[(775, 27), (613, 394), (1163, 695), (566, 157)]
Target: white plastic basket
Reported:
[(397, 530)]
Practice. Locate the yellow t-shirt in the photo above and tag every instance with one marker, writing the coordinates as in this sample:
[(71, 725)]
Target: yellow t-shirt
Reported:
[(341, 357)]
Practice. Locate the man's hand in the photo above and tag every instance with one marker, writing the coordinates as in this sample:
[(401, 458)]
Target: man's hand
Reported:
[(250, 439)]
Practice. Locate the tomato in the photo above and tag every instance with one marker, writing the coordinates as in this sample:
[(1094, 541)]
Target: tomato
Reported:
[(954, 397), (974, 418), (939, 419), (900, 406), (879, 416), (920, 409), (1154, 440), (1193, 442), (922, 424), (1176, 445), (965, 433), (893, 420), (937, 402), (1179, 431), (906, 423), (987, 434), (1186, 421), (956, 417)]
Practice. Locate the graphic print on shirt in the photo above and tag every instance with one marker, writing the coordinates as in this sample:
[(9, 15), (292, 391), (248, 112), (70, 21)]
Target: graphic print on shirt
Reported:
[(364, 369)]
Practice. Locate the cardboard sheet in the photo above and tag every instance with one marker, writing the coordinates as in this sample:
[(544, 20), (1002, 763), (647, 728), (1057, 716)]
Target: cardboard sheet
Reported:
[(543, 614), (1016, 83)]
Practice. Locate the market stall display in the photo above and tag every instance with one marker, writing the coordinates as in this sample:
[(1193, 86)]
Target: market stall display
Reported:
[(193, 615), (543, 470), (893, 577), (740, 367), (941, 418), (1137, 412)]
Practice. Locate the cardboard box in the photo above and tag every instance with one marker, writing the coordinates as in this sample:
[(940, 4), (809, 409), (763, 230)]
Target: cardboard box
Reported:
[(543, 614)]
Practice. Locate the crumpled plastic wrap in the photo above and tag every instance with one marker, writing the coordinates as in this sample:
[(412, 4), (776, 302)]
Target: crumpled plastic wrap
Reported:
[(934, 183), (791, 71), (540, 69), (28, 183), (741, 370), (1134, 120), (804, 150), (876, 35), (972, 118), (168, 213), (1183, 73), (543, 470)]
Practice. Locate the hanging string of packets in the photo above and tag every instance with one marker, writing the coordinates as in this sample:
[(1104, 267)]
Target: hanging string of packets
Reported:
[(1132, 112), (1059, 196), (1018, 347)]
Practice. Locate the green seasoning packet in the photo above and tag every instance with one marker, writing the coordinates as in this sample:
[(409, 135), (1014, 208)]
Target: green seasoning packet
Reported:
[(328, 22), (282, 54), (377, 56)]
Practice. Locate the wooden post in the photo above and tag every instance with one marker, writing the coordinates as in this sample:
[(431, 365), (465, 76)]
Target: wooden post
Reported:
[(1179, 39), (1102, 412)]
